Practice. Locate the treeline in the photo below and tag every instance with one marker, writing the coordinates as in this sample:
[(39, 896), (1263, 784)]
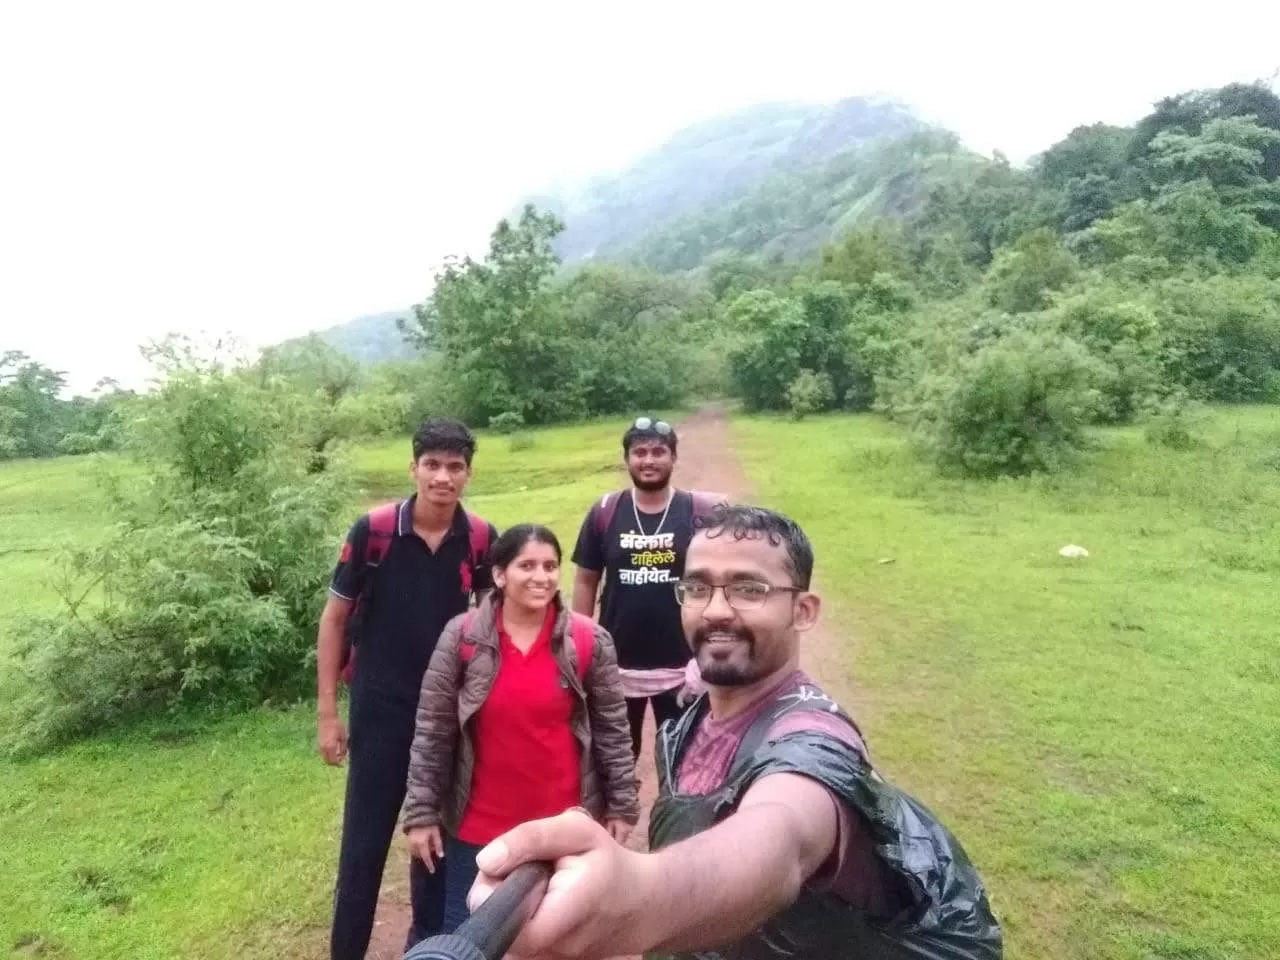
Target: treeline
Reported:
[(37, 421), (1127, 274)]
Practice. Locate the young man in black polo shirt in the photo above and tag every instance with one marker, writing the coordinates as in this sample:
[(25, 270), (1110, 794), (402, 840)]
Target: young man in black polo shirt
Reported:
[(425, 578), (636, 539)]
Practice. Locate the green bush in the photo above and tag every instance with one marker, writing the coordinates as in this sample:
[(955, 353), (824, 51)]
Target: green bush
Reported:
[(1024, 274), (810, 393), (1122, 331), (208, 589), (506, 423), (1222, 336), (1174, 423), (1017, 406), (520, 440)]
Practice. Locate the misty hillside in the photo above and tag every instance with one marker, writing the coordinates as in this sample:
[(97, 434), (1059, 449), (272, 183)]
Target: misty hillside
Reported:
[(370, 339), (789, 216), (712, 163), (696, 191)]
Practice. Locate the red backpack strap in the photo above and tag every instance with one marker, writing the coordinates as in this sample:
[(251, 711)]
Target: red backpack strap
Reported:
[(466, 649), (583, 631), (479, 538), (382, 527)]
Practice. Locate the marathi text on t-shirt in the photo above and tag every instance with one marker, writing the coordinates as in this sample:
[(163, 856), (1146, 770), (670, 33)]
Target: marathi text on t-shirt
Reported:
[(640, 562)]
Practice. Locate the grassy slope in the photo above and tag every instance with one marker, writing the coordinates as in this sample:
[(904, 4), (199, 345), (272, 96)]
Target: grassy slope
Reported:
[(1100, 733), (212, 839)]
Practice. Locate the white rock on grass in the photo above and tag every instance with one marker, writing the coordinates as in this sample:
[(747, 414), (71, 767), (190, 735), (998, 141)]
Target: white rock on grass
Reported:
[(1073, 552)]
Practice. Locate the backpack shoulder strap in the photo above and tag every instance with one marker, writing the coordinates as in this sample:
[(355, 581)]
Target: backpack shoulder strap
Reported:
[(604, 509), (705, 501), (583, 631), (479, 537), (466, 649), (382, 527)]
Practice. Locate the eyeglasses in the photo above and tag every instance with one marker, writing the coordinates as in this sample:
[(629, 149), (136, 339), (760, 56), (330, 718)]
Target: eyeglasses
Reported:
[(660, 427), (740, 594)]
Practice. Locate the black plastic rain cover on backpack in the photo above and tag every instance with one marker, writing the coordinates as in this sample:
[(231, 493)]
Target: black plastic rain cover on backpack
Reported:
[(950, 917)]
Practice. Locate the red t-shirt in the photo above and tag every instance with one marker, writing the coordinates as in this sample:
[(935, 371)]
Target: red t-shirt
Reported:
[(527, 760)]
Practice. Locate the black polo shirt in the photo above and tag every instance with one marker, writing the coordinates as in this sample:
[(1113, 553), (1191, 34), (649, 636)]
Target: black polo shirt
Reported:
[(414, 594)]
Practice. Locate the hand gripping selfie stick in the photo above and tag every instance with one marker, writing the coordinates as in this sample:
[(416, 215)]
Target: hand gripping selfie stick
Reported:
[(488, 933)]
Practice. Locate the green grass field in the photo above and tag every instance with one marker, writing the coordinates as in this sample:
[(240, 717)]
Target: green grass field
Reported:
[(215, 840), (1100, 733)]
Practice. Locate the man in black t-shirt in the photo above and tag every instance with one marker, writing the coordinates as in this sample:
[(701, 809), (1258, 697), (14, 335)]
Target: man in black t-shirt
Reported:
[(431, 567), (636, 539)]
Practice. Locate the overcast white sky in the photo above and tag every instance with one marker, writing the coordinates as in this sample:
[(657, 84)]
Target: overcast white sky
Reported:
[(267, 168)]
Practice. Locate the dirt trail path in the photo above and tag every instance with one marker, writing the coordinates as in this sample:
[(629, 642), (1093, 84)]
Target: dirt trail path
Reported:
[(707, 461)]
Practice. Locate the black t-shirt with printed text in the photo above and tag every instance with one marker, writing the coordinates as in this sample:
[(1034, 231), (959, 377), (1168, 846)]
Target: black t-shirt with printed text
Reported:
[(640, 565), (415, 593)]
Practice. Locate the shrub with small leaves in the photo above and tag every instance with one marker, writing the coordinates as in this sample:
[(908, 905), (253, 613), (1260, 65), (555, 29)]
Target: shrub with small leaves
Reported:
[(207, 589), (1019, 405), (506, 423), (810, 393), (1174, 423)]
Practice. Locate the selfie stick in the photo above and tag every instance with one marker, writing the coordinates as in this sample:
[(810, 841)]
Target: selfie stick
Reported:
[(488, 933)]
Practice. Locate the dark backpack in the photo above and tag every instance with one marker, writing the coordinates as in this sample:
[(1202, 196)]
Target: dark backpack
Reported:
[(382, 528), (602, 510)]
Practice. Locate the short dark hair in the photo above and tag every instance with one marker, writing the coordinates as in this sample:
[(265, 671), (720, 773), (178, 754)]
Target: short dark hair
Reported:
[(650, 432), (745, 522), (446, 434), (508, 546)]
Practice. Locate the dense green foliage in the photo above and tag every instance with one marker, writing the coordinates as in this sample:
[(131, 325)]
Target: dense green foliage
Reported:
[(207, 587), (518, 337), (1126, 274), (37, 421)]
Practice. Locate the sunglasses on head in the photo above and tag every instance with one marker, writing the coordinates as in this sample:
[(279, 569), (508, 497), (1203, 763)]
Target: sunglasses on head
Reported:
[(660, 427)]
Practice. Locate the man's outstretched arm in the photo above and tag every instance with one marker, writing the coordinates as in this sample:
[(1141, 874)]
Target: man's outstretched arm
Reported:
[(605, 900)]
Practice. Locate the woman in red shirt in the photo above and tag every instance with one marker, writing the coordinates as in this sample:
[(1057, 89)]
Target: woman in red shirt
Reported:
[(521, 716)]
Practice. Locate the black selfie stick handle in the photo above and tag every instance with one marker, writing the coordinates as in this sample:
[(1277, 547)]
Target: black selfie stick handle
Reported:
[(488, 933)]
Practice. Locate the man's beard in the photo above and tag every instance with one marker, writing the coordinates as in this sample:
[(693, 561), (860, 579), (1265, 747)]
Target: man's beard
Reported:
[(734, 672), (648, 486)]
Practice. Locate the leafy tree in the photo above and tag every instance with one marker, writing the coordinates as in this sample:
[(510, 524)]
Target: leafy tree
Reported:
[(865, 252), (500, 326), (33, 417), (1026, 272), (766, 359), (631, 333)]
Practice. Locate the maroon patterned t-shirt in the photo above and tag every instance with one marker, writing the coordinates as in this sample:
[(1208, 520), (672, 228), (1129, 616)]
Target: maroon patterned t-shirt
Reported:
[(854, 872)]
